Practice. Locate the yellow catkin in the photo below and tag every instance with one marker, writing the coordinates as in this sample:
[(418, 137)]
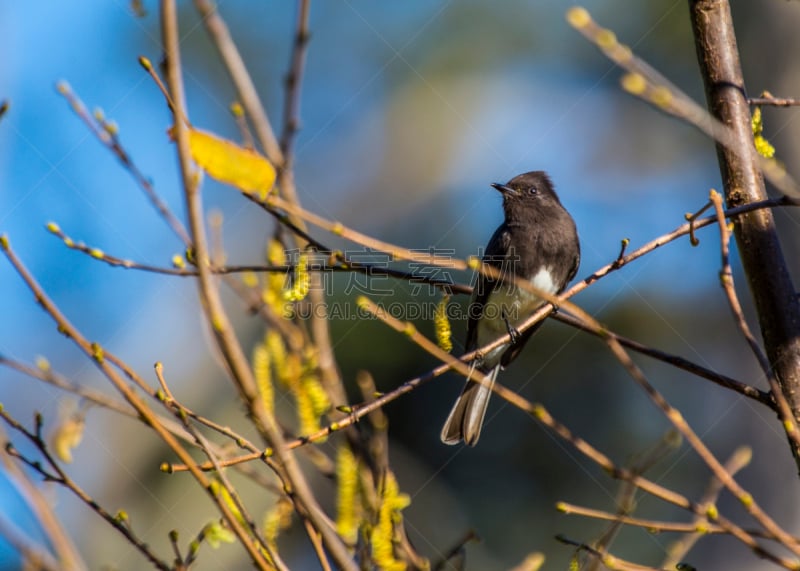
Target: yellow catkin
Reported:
[(222, 493), (574, 563), (533, 562), (277, 519), (277, 355), (250, 279), (263, 375), (382, 536), (299, 289), (312, 385), (275, 252), (349, 509), (763, 147), (309, 421), (216, 534), (757, 122), (319, 398), (272, 293), (292, 371), (442, 325), (310, 398)]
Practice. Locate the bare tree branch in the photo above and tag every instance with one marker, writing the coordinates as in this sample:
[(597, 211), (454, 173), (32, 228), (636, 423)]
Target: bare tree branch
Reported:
[(217, 318), (774, 294)]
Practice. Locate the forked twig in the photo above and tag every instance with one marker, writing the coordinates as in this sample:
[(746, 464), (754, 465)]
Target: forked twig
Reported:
[(726, 280)]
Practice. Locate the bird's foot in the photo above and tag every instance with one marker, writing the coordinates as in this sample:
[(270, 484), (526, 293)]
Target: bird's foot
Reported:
[(513, 332)]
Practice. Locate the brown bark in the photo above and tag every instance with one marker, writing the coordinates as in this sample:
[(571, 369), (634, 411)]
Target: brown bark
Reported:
[(770, 284)]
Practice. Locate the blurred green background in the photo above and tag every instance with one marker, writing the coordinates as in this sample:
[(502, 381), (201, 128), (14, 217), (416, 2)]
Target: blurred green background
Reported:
[(409, 111)]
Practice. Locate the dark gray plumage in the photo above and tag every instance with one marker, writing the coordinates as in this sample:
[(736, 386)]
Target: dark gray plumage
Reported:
[(537, 242)]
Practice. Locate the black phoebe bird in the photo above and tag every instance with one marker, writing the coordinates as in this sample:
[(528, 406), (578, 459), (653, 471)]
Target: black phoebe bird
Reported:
[(536, 242)]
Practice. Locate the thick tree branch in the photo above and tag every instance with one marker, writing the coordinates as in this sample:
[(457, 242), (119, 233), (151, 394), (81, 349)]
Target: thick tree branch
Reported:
[(760, 250)]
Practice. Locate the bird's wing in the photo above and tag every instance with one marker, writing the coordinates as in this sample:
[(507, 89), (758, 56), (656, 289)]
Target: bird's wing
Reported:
[(495, 255), (574, 269)]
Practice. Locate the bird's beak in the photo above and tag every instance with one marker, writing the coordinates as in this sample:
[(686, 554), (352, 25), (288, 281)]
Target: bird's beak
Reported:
[(505, 190)]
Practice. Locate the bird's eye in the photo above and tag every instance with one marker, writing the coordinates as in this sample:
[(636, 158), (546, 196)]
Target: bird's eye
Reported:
[(533, 190)]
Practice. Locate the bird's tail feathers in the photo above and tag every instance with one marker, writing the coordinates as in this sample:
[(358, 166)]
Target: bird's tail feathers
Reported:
[(466, 418)]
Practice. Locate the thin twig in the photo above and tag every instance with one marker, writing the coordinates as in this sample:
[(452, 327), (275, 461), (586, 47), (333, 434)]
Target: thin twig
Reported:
[(34, 555), (677, 551), (277, 204), (98, 356), (100, 399), (357, 412), (456, 551), (346, 265), (60, 477), (225, 483), (768, 99), (676, 418), (743, 170), (42, 508), (316, 543), (246, 90), (726, 280), (49, 376), (291, 107), (763, 397), (672, 414), (623, 245), (689, 228), (542, 415), (645, 82), (625, 500), (375, 270), (610, 561), (695, 529), (110, 139), (337, 228), (691, 218), (378, 443), (652, 525), (215, 313), (372, 269)]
